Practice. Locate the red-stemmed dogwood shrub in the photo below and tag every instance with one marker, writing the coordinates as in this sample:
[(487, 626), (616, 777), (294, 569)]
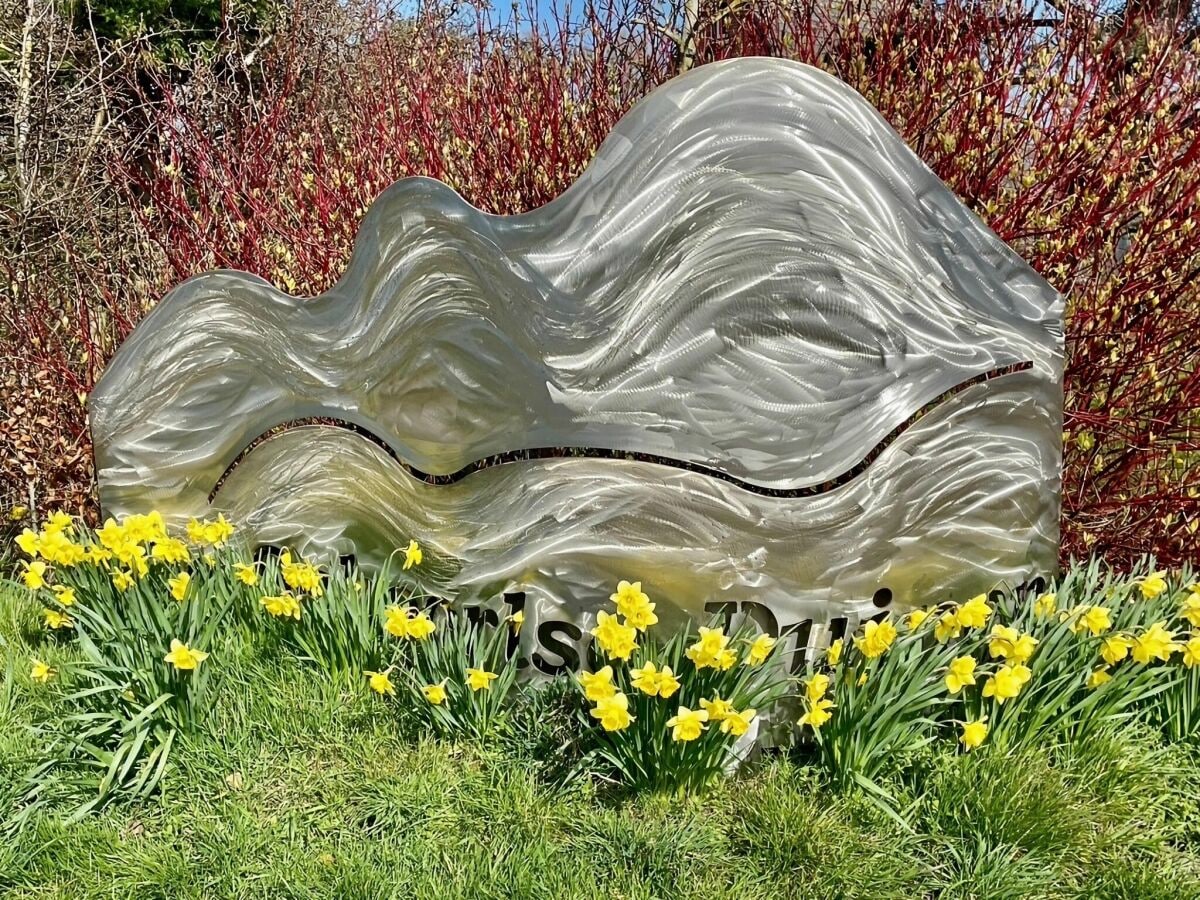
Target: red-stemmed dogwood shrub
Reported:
[(1074, 134)]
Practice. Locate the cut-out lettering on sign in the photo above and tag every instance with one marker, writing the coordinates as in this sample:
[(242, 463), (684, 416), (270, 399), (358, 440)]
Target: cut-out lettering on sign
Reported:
[(784, 367)]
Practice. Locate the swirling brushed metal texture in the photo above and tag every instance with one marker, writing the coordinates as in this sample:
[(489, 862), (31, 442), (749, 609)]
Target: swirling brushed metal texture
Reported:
[(755, 274), (567, 529)]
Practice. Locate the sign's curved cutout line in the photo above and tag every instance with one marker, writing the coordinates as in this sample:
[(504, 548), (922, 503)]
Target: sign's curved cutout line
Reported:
[(521, 454)]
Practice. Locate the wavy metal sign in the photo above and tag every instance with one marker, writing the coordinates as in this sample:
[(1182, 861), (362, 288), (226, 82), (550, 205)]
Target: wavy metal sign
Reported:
[(798, 374)]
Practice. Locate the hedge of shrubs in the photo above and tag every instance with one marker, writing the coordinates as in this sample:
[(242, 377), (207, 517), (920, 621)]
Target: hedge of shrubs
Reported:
[(1073, 134)]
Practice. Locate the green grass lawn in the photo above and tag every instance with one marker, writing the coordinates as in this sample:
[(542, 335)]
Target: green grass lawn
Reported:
[(302, 788)]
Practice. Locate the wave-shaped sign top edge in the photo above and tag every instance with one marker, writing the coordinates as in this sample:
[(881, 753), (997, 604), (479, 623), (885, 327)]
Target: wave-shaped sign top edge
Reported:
[(755, 274)]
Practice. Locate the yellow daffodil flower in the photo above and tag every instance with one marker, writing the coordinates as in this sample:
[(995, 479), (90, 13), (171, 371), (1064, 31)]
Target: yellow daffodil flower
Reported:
[(218, 532), (818, 714), (144, 529), (1191, 608), (122, 580), (627, 596), (617, 640), (815, 687), (29, 543), (213, 533), (1098, 676), (633, 603), (915, 618), (97, 554), (35, 575), (41, 672), (1115, 648), (613, 712), (435, 693), (55, 619), (183, 657), (738, 723), (300, 576), (405, 622), (716, 708), (876, 638), (1001, 640), (62, 551), (55, 547), (1153, 585), (179, 585), (687, 724), (480, 679), (413, 555), (1095, 619), (726, 659), (420, 626), (395, 621), (59, 523), (975, 612), (668, 683), (760, 649), (50, 544), (246, 574), (1008, 643), (133, 557), (645, 679), (285, 606), (17, 513), (833, 655), (517, 620), (641, 617), (1154, 643), (1046, 605), (598, 685), (1022, 648), (1006, 682), (705, 652), (171, 550), (960, 674), (947, 627), (64, 595), (58, 549), (70, 554), (1191, 651), (111, 534), (381, 682), (973, 734)]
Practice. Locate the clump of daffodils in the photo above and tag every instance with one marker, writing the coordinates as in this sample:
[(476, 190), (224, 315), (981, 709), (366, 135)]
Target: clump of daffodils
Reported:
[(285, 587), (818, 708), (283, 606), (876, 692), (451, 671), (122, 553), (407, 623), (617, 633), (300, 575), (205, 533), (1007, 668), (153, 604), (689, 700)]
